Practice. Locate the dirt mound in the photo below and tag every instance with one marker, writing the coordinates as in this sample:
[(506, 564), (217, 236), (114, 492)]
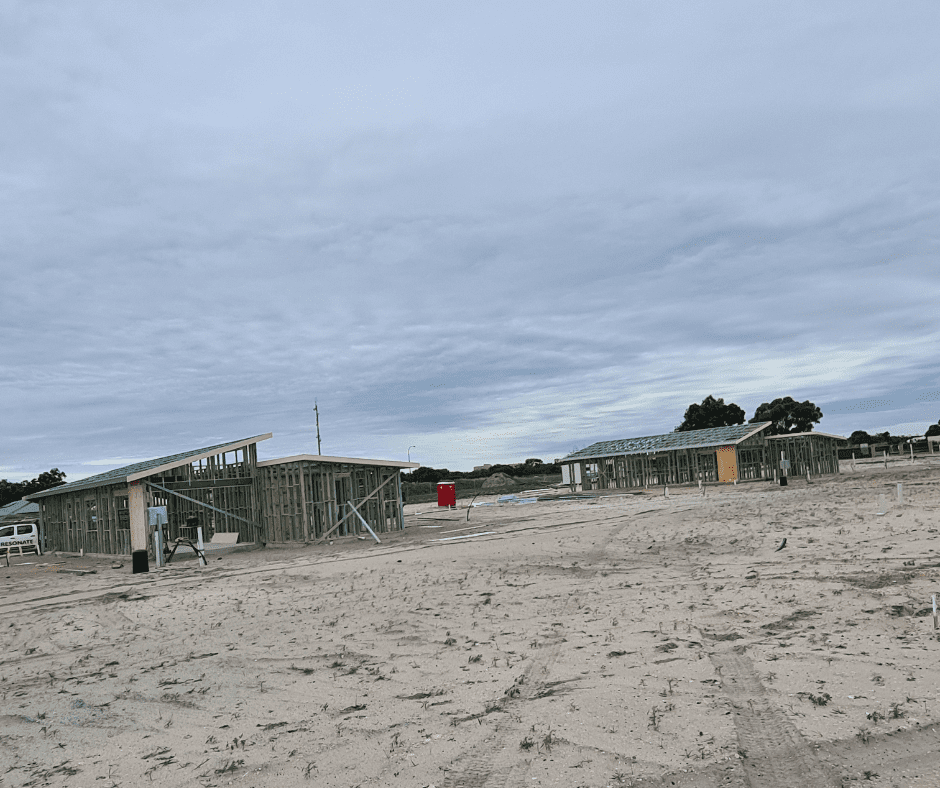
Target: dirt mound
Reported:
[(499, 481)]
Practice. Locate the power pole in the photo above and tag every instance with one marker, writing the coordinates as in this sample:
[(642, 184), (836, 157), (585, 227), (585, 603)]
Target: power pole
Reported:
[(316, 410)]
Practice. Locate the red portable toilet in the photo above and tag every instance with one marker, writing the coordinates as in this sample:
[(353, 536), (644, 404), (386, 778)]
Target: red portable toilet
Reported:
[(447, 494)]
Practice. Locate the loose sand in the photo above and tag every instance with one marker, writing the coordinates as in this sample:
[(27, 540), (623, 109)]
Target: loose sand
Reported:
[(622, 640)]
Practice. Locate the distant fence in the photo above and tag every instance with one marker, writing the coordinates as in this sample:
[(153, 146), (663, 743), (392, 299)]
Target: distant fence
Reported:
[(424, 492), (880, 448)]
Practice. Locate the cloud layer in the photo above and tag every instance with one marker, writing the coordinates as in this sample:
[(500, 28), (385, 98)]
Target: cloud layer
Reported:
[(488, 232)]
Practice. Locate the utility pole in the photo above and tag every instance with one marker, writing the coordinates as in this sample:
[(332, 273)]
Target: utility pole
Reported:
[(316, 410)]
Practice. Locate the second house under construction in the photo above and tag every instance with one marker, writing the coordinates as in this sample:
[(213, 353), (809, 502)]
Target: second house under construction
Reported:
[(719, 454)]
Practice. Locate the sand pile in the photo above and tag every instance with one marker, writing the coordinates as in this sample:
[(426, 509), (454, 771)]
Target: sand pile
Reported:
[(499, 481)]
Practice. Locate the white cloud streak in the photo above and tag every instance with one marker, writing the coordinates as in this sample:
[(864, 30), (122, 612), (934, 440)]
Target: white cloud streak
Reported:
[(495, 231)]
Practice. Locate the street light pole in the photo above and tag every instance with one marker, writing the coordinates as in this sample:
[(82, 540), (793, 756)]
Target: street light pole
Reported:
[(409, 452)]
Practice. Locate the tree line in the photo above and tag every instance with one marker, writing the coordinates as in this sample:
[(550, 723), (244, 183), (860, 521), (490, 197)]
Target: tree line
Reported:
[(875, 438), (14, 491), (785, 414), (531, 467)]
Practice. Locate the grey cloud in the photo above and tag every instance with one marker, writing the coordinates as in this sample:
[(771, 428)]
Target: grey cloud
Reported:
[(578, 223)]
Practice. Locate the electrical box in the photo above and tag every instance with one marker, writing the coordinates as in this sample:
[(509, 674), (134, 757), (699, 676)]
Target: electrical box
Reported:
[(156, 515), (447, 494)]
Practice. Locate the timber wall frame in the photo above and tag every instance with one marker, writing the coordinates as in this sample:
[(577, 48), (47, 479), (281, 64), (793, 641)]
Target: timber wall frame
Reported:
[(757, 457), (97, 519), (306, 497), (813, 452), (295, 499)]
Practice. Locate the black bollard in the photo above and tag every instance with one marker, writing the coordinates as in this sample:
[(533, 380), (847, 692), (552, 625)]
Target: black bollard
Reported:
[(139, 561)]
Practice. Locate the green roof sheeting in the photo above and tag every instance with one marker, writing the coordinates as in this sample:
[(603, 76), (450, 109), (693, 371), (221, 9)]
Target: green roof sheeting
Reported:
[(18, 509), (120, 475), (693, 439)]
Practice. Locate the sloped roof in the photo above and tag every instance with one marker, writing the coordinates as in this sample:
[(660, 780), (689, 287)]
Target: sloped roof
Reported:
[(339, 461), (693, 439), (800, 434), (140, 470), (18, 509)]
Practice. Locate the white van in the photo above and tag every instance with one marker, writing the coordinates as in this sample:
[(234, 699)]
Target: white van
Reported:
[(17, 536)]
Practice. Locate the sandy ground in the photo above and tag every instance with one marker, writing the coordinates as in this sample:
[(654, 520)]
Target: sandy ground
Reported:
[(623, 640)]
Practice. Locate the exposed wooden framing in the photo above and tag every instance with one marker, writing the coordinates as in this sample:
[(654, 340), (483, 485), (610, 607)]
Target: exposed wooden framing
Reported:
[(204, 484), (204, 505), (347, 515), (756, 457), (303, 503), (400, 501), (138, 510), (98, 518), (294, 499), (210, 456), (307, 497), (815, 452), (356, 511)]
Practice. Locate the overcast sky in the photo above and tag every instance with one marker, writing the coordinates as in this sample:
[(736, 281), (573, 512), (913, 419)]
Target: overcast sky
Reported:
[(488, 230)]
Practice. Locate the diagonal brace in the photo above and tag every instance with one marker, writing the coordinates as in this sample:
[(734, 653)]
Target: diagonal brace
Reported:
[(348, 514), (208, 506), (364, 522)]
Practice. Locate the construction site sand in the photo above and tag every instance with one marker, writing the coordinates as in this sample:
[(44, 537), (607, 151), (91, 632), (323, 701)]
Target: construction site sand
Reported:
[(624, 640)]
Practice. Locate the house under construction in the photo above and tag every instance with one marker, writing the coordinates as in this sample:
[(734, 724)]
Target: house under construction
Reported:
[(309, 496), (223, 489), (720, 454)]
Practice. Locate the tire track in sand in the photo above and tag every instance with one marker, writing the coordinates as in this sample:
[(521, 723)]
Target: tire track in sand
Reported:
[(491, 763), (775, 755), (481, 766)]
